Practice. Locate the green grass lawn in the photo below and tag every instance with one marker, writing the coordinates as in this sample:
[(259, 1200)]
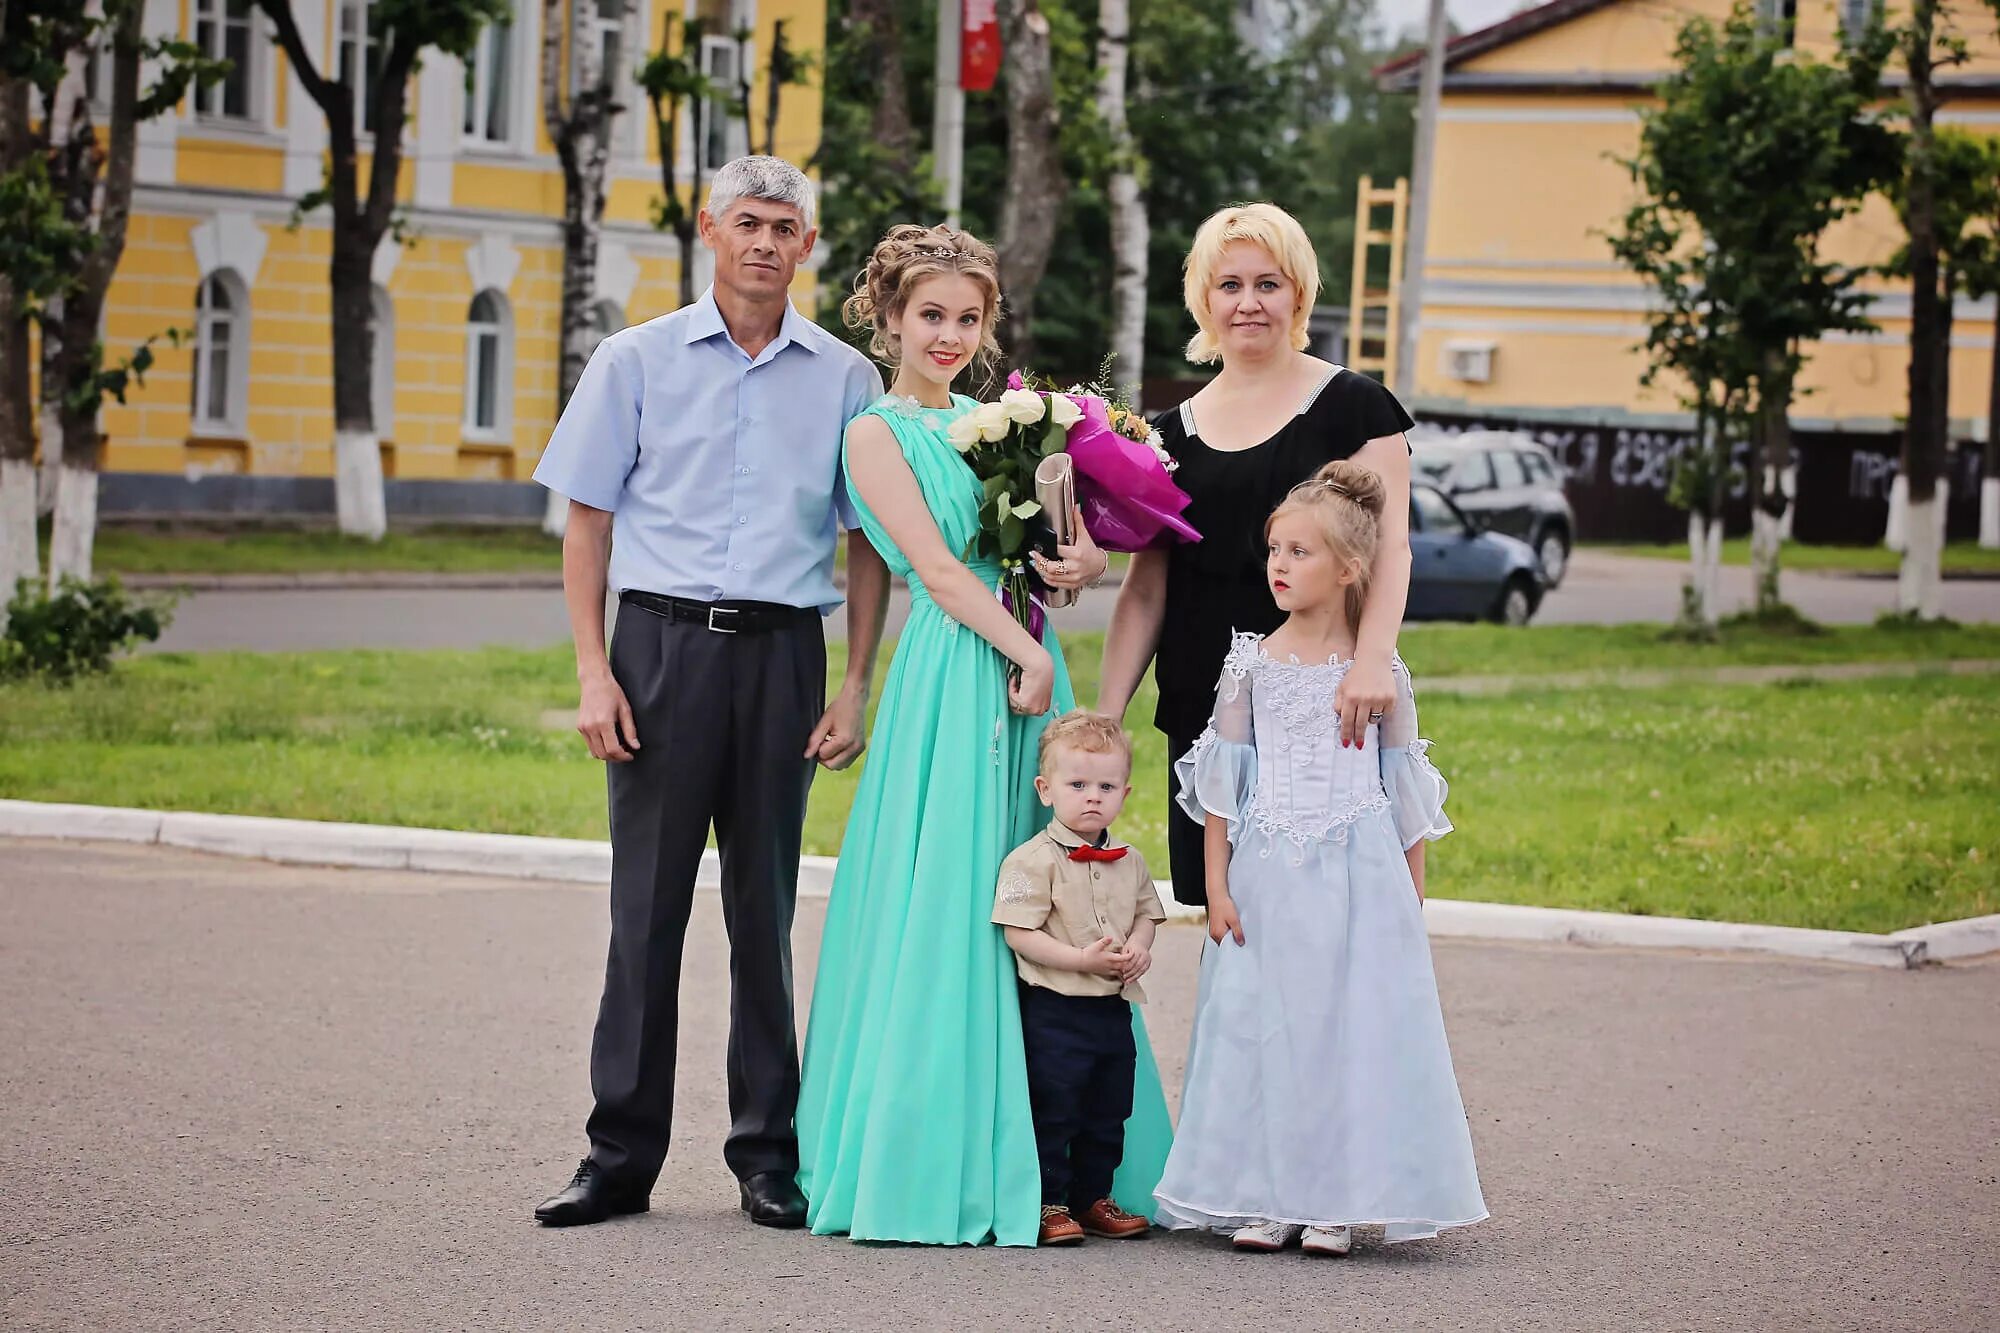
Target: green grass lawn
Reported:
[(1959, 557), (198, 549), (1860, 804)]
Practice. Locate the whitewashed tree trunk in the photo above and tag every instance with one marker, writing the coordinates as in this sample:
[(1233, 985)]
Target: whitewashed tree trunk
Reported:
[(1788, 483), (18, 557), (360, 503), (1989, 513), (1920, 584), (581, 131), (1895, 536), (1131, 232), (1767, 535), (75, 533), (1704, 571)]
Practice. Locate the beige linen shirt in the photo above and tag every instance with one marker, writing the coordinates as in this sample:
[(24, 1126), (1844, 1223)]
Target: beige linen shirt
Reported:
[(1075, 902)]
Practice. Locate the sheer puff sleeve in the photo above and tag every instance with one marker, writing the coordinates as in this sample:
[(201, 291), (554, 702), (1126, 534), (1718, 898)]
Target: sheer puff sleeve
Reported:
[(1218, 774), (1416, 789)]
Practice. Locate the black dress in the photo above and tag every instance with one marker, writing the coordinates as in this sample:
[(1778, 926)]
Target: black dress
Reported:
[(1216, 587)]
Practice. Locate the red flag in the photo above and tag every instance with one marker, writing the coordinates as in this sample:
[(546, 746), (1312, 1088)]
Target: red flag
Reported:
[(979, 45)]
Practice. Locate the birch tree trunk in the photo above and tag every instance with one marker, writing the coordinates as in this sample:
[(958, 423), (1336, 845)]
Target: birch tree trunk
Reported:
[(581, 133), (1035, 184), (78, 351), (18, 557), (1989, 470), (1924, 433), (1130, 229)]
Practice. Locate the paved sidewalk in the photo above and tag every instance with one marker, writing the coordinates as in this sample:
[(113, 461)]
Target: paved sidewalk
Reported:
[(242, 1096)]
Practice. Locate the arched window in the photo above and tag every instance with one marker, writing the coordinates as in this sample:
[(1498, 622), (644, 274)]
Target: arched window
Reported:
[(488, 350), (384, 376), (221, 351)]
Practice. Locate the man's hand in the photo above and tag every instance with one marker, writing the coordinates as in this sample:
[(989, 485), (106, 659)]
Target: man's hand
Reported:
[(605, 719), (842, 733)]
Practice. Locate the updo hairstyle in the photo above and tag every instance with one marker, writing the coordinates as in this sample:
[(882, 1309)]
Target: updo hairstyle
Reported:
[(1346, 499), (907, 256)]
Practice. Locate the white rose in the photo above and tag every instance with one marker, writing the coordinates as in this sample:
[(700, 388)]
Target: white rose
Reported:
[(963, 432), (1023, 405), (1063, 411), (992, 421)]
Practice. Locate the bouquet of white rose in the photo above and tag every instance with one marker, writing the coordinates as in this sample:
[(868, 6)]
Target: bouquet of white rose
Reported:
[(1123, 479)]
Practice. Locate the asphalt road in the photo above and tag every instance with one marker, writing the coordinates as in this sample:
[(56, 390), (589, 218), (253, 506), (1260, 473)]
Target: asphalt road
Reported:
[(1600, 589), (239, 1096)]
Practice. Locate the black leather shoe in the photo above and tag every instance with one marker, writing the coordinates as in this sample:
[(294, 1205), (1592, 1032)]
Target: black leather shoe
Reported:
[(772, 1199), (591, 1196)]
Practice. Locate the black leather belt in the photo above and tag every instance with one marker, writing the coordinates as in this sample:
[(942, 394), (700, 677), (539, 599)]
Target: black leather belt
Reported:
[(729, 617)]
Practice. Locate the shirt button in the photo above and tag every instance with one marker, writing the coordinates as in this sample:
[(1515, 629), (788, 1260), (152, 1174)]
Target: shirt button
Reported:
[(742, 519), (746, 471), (739, 567)]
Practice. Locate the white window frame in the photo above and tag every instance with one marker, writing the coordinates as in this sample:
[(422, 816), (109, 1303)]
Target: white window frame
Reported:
[(1771, 17), (1855, 15), (478, 127), (734, 138), (501, 330), (209, 103), (353, 42), (235, 325), (382, 378)]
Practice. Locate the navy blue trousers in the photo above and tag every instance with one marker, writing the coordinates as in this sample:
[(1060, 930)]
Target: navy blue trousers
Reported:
[(1080, 1065)]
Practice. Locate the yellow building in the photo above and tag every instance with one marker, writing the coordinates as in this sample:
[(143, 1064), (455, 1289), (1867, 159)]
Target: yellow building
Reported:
[(1526, 315), (240, 416)]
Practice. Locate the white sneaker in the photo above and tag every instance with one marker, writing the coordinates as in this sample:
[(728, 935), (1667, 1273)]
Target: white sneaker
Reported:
[(1268, 1237), (1328, 1240)]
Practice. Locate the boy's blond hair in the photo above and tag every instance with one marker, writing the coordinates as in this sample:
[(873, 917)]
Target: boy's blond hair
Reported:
[(1081, 729)]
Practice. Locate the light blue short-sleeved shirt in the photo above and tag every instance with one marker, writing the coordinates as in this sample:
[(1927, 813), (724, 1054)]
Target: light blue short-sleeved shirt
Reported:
[(722, 472)]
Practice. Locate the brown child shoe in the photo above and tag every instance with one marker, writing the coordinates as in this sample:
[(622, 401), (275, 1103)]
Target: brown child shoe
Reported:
[(1058, 1227), (1105, 1218)]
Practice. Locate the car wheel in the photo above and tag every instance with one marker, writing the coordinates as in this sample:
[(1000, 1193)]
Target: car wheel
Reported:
[(1553, 551), (1517, 602)]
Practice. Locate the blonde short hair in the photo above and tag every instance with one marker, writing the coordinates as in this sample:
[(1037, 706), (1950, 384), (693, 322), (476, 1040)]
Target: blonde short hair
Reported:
[(1281, 236), (1080, 729)]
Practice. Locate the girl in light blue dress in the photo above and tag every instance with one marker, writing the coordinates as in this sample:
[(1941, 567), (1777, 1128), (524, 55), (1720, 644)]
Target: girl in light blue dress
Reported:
[(1319, 1092)]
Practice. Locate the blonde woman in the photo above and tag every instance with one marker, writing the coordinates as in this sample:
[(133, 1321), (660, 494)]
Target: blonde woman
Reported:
[(1272, 417)]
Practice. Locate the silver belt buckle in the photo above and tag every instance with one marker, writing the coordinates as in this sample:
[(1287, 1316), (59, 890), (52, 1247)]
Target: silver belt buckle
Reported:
[(723, 610)]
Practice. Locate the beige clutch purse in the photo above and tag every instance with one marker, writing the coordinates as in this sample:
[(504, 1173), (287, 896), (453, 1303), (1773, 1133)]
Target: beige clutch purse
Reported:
[(1055, 490)]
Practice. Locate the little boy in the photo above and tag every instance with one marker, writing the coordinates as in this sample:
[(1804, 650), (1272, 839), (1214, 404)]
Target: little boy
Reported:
[(1079, 910)]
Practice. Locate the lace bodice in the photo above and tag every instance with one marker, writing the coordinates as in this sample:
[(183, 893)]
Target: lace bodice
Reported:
[(1297, 780)]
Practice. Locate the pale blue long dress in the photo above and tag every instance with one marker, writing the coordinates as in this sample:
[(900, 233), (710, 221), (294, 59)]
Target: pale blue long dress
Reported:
[(1319, 1085)]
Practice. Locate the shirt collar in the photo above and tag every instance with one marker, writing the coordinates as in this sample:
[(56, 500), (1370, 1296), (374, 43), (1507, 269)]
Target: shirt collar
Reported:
[(705, 321), (1066, 836)]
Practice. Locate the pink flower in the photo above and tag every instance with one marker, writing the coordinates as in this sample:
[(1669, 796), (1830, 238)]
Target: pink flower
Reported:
[(1014, 380)]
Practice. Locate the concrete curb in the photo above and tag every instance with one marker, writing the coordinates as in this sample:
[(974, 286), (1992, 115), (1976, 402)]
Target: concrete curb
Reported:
[(579, 861), (379, 581)]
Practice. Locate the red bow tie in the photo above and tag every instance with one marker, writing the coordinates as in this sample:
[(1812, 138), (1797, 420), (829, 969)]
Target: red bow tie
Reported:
[(1096, 853)]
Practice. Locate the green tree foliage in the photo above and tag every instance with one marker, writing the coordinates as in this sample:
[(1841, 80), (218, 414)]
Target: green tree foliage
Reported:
[(1735, 265), (1215, 124)]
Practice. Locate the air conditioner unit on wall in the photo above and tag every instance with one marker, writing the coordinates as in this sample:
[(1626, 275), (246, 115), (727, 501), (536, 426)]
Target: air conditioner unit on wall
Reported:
[(1468, 361)]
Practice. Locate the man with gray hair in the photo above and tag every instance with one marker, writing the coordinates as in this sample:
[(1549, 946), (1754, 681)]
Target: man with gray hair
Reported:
[(701, 457)]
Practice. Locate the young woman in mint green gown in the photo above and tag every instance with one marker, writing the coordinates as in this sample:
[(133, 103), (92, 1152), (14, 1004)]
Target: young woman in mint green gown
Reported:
[(913, 1115)]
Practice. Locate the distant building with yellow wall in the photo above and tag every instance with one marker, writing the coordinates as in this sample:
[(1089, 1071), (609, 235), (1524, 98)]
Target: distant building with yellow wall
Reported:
[(1526, 316), (239, 417)]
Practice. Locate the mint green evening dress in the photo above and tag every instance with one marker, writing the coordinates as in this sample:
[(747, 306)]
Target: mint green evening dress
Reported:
[(913, 1114)]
